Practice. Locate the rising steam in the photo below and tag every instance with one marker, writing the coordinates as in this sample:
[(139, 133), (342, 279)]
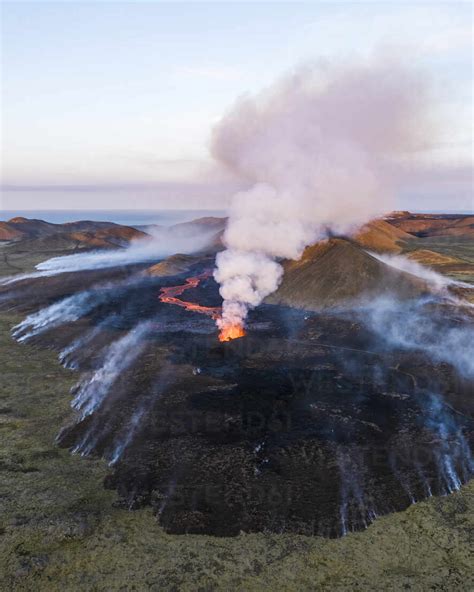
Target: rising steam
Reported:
[(162, 243), (416, 326), (117, 357), (315, 147), (68, 310), (403, 263)]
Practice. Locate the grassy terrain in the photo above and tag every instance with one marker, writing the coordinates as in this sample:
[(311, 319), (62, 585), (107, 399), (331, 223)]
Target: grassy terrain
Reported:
[(14, 259), (459, 247), (61, 531)]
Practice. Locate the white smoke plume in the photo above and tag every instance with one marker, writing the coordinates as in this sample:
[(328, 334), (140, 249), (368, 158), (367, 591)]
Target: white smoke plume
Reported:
[(163, 243), (452, 452), (315, 147), (117, 357), (414, 326), (124, 439), (65, 356), (67, 310), (435, 279)]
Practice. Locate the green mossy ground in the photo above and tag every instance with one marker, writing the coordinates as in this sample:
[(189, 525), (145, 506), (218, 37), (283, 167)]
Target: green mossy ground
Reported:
[(460, 247), (61, 531), (14, 259)]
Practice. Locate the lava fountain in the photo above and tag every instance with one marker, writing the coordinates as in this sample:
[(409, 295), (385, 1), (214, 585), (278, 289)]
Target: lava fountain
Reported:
[(170, 294), (231, 331)]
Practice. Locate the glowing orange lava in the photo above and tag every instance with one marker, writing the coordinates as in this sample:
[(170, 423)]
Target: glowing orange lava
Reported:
[(230, 332), (170, 295)]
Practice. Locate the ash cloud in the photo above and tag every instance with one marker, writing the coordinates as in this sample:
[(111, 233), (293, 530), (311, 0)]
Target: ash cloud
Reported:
[(315, 148)]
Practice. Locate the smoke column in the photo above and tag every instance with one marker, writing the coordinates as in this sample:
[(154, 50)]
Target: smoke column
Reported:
[(315, 148)]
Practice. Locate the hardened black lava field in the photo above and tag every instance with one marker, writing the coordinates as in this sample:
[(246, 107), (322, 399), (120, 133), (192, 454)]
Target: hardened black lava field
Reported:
[(312, 423)]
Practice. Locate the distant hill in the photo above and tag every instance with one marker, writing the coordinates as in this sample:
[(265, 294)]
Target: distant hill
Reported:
[(210, 228), (172, 265), (32, 228), (84, 234), (197, 226), (8, 232), (428, 225), (210, 223), (381, 236), (338, 271)]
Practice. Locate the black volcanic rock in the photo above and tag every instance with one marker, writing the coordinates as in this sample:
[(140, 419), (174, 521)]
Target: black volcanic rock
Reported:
[(309, 424), (276, 432), (314, 422)]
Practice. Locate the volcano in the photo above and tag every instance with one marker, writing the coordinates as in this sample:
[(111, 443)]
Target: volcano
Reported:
[(347, 398), (339, 272)]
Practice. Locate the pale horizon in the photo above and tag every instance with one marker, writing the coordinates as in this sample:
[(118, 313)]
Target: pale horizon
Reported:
[(108, 105)]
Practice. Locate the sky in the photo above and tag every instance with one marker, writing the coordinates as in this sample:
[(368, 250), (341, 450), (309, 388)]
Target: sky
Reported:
[(111, 104)]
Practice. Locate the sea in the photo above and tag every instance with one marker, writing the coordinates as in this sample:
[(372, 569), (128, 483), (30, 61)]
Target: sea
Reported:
[(163, 217), (125, 217)]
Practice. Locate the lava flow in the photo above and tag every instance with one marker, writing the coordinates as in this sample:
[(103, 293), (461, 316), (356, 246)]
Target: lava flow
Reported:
[(169, 295)]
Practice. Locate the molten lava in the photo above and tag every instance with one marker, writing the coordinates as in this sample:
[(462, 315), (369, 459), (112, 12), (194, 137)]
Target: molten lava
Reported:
[(230, 332), (170, 295)]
